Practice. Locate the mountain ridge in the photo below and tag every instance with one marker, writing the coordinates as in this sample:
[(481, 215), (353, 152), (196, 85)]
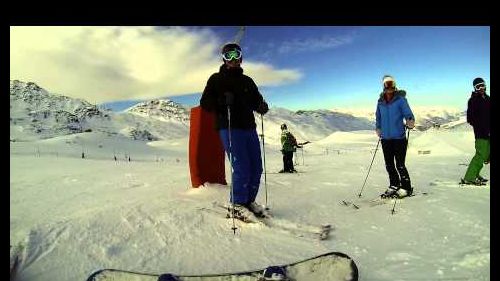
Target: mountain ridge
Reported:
[(36, 113)]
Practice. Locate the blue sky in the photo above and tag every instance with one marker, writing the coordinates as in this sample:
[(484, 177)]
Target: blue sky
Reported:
[(295, 67), (435, 65)]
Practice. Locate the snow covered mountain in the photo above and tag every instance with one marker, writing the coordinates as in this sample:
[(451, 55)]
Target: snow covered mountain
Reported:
[(426, 117), (310, 125), (39, 114), (437, 117), (155, 120), (36, 113), (164, 110)]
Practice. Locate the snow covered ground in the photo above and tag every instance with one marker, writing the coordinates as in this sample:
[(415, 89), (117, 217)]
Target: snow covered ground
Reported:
[(74, 216)]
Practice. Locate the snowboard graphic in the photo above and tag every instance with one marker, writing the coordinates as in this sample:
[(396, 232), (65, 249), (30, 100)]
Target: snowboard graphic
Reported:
[(333, 266)]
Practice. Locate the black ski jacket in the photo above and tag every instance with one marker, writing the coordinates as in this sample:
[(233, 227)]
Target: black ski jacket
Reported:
[(478, 115), (246, 98)]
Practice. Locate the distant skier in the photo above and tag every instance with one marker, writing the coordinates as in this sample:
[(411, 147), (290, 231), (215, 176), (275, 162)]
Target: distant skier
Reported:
[(478, 116), (230, 88), (392, 109), (288, 147)]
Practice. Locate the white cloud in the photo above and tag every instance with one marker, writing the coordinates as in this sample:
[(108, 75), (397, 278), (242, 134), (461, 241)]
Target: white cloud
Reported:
[(265, 74), (314, 44), (105, 64)]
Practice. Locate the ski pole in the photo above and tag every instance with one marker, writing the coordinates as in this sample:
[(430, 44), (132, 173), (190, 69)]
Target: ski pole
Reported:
[(406, 150), (376, 148), (229, 101), (302, 148), (264, 156)]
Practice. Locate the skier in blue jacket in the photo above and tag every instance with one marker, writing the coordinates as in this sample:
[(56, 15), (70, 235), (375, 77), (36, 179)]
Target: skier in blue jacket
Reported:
[(392, 109)]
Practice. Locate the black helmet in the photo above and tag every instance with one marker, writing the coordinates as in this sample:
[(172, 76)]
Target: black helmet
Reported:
[(477, 81), (283, 126), (479, 84), (230, 46)]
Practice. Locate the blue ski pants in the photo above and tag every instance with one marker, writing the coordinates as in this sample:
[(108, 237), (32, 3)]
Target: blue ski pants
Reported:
[(246, 163)]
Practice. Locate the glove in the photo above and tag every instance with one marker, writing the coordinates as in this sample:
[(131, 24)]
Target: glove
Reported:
[(378, 132), (263, 108), (410, 123)]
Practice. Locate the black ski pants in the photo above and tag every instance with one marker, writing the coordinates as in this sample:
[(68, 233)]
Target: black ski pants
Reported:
[(395, 151), (288, 161)]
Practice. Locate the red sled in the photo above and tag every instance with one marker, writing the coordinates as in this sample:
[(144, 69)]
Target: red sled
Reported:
[(206, 152)]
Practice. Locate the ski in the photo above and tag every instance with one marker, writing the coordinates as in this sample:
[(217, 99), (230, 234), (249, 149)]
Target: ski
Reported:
[(280, 172), (249, 218), (458, 184), (357, 204), (349, 203), (317, 232)]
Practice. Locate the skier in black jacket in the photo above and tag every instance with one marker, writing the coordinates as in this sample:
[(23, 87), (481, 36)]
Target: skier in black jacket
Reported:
[(231, 90), (478, 115)]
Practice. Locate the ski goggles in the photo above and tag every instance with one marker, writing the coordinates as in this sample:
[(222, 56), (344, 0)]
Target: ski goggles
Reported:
[(480, 86), (389, 85), (232, 55)]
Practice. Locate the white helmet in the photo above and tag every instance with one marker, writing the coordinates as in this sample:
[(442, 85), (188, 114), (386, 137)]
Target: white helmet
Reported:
[(388, 81)]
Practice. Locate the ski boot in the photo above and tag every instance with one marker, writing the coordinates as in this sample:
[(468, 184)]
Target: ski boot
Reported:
[(390, 192), (481, 179), (403, 192), (259, 210), (240, 212), (474, 182)]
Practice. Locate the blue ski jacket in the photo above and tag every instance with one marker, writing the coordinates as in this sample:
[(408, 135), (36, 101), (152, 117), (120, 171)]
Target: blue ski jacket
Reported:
[(390, 115)]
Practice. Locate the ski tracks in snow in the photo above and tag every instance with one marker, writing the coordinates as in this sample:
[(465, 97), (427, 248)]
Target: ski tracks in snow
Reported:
[(40, 242), (157, 226)]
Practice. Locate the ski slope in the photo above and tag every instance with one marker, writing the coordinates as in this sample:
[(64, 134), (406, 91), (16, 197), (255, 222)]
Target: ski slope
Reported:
[(73, 216)]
